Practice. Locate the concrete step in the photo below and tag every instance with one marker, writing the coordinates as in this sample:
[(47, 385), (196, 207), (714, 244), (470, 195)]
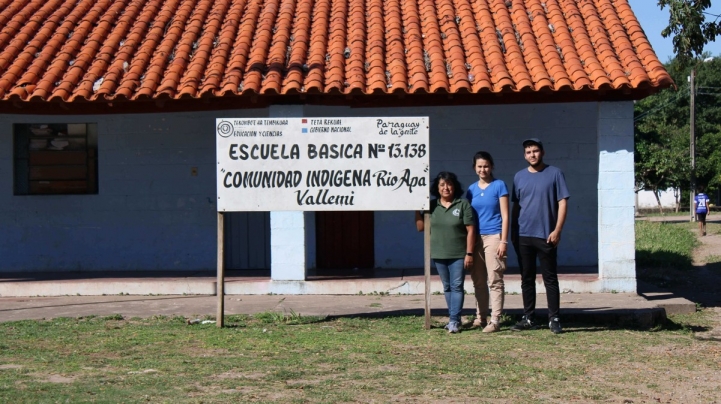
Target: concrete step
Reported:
[(88, 284), (617, 309)]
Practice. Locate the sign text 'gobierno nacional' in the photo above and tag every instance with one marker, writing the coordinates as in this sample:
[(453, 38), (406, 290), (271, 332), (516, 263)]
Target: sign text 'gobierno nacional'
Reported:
[(315, 164)]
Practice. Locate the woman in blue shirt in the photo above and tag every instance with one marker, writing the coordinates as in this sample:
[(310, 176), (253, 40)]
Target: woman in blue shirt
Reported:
[(489, 199)]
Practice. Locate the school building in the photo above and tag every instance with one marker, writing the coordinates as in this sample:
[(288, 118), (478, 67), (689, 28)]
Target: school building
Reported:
[(108, 109)]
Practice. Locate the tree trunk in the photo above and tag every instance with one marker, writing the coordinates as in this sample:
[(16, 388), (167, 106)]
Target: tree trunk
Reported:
[(658, 200)]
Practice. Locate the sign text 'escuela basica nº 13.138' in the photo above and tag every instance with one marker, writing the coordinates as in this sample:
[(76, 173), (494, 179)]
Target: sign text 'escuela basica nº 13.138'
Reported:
[(320, 164)]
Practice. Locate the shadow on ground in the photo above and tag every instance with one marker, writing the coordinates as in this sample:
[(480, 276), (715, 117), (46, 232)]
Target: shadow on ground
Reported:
[(664, 271), (600, 316)]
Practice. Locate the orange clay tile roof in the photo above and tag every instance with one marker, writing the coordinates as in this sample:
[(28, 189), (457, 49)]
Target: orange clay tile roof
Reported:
[(73, 50)]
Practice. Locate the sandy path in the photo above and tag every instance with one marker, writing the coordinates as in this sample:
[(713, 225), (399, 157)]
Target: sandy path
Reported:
[(710, 248)]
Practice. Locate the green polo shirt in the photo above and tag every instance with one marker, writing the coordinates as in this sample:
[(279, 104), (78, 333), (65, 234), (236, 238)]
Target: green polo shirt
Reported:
[(448, 229)]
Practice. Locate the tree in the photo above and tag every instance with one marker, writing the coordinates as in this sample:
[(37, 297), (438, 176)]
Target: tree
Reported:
[(708, 123), (661, 145), (662, 128), (689, 28)]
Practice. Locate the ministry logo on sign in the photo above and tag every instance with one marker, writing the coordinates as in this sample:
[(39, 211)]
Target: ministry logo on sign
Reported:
[(225, 128)]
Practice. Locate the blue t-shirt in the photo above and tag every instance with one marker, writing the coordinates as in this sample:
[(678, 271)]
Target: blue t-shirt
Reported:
[(701, 203), (538, 195), (485, 203)]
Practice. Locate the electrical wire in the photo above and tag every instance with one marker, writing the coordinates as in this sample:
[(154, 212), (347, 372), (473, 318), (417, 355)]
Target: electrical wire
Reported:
[(674, 99), (715, 15)]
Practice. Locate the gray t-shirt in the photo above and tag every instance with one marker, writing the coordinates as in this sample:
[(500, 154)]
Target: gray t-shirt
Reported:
[(538, 195)]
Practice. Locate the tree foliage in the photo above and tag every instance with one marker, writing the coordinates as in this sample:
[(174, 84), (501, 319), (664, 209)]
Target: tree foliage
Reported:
[(662, 128), (688, 26)]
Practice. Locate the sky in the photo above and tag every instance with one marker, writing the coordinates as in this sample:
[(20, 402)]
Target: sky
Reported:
[(654, 20)]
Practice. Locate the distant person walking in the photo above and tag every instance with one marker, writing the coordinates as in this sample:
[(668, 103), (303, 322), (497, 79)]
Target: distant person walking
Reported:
[(539, 213), (489, 199), (701, 204), (452, 236)]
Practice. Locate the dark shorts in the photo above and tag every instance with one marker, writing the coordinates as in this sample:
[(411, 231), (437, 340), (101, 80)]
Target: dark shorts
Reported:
[(701, 217)]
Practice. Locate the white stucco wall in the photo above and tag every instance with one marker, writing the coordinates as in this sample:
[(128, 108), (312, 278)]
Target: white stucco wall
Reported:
[(647, 200)]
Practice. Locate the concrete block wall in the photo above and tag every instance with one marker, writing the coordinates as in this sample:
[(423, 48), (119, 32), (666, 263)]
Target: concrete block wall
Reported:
[(616, 231), (149, 213), (457, 132)]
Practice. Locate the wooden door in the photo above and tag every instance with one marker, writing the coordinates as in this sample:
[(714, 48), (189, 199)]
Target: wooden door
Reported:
[(344, 240), (247, 240)]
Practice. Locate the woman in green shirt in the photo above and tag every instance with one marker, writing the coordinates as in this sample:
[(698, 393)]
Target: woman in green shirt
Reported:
[(453, 236)]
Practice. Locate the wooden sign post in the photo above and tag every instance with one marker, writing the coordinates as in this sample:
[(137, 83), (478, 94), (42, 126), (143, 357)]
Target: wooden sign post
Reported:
[(220, 283), (427, 264)]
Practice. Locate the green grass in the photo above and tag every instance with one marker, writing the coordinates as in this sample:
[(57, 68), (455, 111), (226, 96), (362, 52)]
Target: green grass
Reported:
[(660, 245), (283, 358), (711, 228), (666, 212)]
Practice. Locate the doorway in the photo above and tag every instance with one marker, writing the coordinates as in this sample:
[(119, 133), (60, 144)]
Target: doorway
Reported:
[(344, 241), (247, 240)]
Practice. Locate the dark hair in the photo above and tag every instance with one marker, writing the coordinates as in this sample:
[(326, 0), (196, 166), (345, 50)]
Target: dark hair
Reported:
[(483, 155), (446, 176)]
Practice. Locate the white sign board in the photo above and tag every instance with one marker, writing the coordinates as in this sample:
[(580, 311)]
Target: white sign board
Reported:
[(317, 164)]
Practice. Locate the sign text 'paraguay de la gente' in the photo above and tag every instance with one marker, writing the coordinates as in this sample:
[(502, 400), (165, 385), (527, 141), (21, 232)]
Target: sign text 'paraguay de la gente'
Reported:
[(317, 164)]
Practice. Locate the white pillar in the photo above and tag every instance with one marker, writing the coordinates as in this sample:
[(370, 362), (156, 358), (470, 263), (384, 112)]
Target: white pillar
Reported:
[(616, 202), (287, 229)]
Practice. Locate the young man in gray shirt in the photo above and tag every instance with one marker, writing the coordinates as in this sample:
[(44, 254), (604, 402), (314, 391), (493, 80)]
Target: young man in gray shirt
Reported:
[(539, 212)]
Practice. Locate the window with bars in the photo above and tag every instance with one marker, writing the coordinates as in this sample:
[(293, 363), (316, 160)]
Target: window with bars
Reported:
[(56, 159)]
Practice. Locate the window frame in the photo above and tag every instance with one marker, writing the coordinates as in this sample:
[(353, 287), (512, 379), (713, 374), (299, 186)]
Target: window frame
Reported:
[(55, 158)]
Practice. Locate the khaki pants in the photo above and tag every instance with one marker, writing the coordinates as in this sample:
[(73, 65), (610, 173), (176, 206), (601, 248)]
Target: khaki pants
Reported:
[(487, 273)]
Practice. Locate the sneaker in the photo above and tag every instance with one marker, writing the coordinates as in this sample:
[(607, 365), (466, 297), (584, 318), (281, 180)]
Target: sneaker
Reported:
[(555, 325), (452, 327), (523, 325), (493, 326), (479, 322)]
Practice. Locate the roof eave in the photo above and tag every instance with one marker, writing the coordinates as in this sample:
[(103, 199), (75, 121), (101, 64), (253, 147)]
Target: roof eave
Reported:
[(248, 100)]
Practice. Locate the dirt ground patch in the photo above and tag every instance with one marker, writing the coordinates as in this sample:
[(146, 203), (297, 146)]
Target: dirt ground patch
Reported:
[(59, 379), (10, 366), (702, 282), (710, 247)]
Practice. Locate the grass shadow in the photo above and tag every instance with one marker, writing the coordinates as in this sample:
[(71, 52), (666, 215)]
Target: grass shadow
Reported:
[(631, 319), (698, 284), (670, 325), (663, 259), (714, 266)]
